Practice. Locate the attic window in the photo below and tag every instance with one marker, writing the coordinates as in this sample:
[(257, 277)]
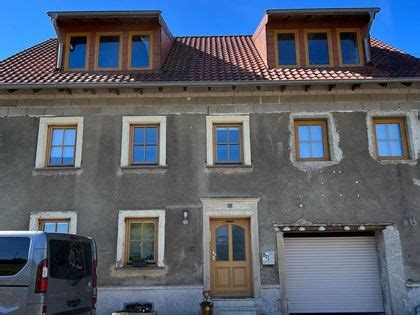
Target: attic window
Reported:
[(108, 48), (318, 47), (140, 56), (287, 48), (77, 51), (350, 47)]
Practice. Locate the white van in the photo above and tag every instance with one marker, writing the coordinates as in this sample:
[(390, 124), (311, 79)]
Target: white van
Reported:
[(47, 273)]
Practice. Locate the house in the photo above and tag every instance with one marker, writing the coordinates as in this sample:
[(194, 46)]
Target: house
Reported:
[(278, 170)]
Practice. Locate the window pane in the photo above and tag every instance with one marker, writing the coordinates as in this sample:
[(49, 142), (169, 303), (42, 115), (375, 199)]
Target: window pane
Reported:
[(304, 133), (135, 250), (109, 47), (349, 49), (316, 133), (138, 154), (305, 150), (57, 136), (148, 231), (152, 135), (148, 251), (234, 135), (317, 150), (381, 132), (383, 148), (396, 148), (49, 227), (394, 131), (151, 154), (77, 52), (68, 155), (221, 135), (234, 153), (238, 243), (62, 227), (55, 157), (318, 49), (135, 231), (70, 137), (222, 153), (13, 255), (140, 51), (139, 135), (222, 243), (286, 49)]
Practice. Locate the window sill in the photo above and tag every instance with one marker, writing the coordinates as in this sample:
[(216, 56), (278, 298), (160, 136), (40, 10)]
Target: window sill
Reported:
[(153, 267), (142, 169), (226, 168), (57, 171)]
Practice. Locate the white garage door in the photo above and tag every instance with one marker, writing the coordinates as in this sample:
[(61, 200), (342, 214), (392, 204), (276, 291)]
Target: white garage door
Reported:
[(332, 274)]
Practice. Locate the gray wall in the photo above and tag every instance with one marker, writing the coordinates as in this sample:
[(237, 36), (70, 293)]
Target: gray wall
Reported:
[(386, 192)]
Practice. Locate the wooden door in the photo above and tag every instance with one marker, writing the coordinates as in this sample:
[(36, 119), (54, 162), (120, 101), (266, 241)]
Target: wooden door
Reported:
[(230, 257)]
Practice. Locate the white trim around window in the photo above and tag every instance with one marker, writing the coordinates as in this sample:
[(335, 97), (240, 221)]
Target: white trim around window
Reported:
[(127, 121), (140, 214), (36, 216), (230, 119), (44, 123)]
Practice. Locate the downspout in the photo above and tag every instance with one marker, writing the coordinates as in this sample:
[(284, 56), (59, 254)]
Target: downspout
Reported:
[(366, 39), (60, 43)]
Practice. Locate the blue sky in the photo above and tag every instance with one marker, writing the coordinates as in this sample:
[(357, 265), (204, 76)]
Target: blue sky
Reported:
[(24, 23)]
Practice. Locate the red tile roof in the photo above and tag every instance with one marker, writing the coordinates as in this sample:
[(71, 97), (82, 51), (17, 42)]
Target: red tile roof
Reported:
[(207, 58)]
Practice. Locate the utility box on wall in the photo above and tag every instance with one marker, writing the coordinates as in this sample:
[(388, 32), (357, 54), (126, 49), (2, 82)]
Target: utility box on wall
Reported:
[(268, 258)]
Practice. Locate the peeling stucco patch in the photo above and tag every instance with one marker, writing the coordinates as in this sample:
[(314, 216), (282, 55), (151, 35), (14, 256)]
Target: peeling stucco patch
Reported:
[(336, 154), (416, 182)]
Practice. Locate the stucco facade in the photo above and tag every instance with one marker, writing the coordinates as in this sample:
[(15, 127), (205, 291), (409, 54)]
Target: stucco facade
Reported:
[(356, 189)]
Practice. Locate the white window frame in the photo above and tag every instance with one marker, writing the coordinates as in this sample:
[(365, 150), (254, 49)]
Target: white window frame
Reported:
[(41, 150), (36, 216), (123, 215), (229, 119), (127, 121)]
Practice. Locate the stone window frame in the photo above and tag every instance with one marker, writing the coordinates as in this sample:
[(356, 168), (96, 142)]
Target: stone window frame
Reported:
[(42, 146), (123, 215), (127, 122), (412, 129), (212, 120), (335, 152), (38, 216)]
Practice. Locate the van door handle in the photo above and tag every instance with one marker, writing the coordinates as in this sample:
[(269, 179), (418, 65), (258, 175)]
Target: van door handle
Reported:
[(73, 303)]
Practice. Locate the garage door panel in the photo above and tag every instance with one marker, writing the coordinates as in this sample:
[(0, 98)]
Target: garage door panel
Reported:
[(332, 274)]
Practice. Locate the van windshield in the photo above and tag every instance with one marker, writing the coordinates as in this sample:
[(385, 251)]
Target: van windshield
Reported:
[(70, 260), (13, 254)]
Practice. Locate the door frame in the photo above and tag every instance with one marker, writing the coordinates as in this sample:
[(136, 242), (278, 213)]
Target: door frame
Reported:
[(232, 208)]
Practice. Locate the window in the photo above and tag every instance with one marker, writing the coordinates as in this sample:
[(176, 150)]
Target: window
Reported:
[(228, 140), (108, 51), (52, 226), (390, 138), (311, 138), (54, 221), (318, 47), (287, 48), (228, 147), (13, 254), (141, 241), (61, 145), (144, 147), (140, 50), (349, 47), (59, 142), (77, 51), (143, 141), (141, 238)]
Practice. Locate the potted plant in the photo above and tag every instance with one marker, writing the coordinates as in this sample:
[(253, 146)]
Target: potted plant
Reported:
[(206, 305), (137, 261)]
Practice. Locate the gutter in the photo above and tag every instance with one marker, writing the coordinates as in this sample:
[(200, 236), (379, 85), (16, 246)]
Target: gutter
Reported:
[(143, 84), (366, 39), (60, 42)]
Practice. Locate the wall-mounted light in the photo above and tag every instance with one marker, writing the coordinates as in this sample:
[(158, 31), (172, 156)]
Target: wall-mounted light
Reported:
[(322, 228), (301, 229), (185, 217), (346, 228), (286, 229), (361, 228)]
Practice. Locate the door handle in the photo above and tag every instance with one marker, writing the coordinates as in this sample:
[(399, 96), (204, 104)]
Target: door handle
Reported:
[(73, 303), (213, 255)]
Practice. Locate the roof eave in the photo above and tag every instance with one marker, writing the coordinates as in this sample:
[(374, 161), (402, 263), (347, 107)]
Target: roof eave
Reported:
[(109, 14), (322, 11)]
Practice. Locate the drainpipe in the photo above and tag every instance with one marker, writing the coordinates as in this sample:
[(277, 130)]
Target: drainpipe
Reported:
[(60, 43), (366, 39)]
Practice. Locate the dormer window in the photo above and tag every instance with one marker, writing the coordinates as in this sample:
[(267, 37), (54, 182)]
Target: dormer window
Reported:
[(318, 48), (287, 48), (108, 47), (349, 47), (77, 51), (140, 56)]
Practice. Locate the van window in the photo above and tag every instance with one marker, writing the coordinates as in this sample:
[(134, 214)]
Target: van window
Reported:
[(13, 254), (70, 259)]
